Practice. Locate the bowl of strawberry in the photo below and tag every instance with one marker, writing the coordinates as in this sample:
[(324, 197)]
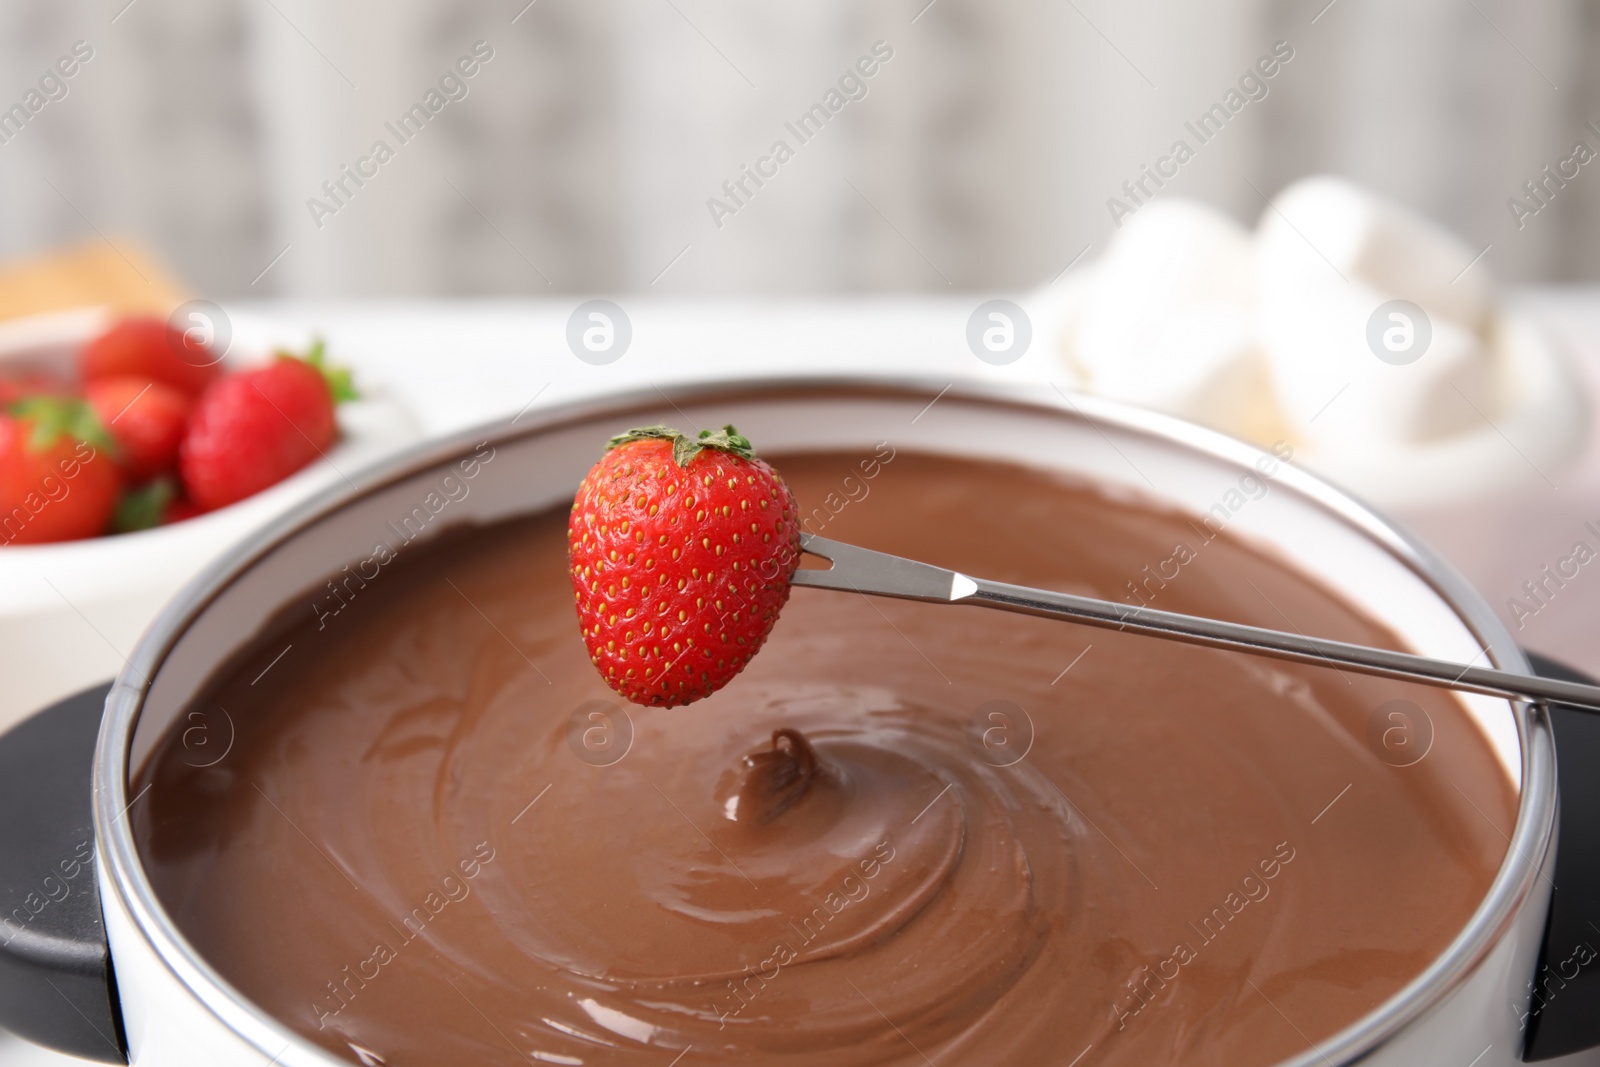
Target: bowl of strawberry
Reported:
[(154, 430), (131, 454)]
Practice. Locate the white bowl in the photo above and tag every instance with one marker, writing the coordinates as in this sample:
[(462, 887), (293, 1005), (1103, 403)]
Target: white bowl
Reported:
[(69, 612)]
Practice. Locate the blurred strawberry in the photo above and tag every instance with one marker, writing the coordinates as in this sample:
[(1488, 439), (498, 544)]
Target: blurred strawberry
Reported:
[(57, 479), (252, 430), (178, 510), (150, 349), (145, 418)]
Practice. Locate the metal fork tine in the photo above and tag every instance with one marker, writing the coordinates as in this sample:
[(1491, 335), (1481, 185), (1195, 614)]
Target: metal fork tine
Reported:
[(861, 570)]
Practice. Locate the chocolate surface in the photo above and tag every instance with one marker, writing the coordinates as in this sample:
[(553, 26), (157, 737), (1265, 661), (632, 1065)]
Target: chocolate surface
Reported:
[(908, 833)]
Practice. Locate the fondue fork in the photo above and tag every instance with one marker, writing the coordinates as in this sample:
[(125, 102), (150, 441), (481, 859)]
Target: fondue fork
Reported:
[(862, 570)]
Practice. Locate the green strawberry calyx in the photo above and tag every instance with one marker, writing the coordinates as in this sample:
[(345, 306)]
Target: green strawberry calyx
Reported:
[(141, 508), (340, 383), (684, 447), (51, 417)]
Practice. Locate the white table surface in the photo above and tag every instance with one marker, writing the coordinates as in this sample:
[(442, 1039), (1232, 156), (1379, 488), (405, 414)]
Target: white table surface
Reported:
[(459, 363)]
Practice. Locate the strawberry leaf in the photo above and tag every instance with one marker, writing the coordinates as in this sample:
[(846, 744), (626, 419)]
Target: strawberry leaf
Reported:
[(141, 507), (341, 383), (642, 433), (684, 447), (51, 417), (727, 439)]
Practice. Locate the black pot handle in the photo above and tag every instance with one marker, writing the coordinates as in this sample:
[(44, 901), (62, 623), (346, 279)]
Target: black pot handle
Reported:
[(56, 985), (1561, 1014)]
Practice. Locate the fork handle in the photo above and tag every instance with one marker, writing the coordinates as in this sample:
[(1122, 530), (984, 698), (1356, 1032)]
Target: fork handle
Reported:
[(1278, 644), (863, 570)]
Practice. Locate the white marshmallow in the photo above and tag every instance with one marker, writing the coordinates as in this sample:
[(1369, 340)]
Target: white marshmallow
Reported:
[(1329, 255), (1168, 321), (1336, 393), (1327, 226)]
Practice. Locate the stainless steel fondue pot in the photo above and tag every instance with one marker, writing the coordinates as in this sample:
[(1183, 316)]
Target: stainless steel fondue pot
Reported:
[(91, 963)]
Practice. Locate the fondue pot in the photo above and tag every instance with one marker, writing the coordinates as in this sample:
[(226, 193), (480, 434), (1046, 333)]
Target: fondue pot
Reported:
[(91, 963)]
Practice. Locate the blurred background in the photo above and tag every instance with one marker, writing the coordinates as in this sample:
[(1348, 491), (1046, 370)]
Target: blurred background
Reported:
[(438, 188), (585, 151)]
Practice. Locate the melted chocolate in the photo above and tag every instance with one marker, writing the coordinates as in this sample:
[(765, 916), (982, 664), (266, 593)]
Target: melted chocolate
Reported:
[(906, 833), (775, 779)]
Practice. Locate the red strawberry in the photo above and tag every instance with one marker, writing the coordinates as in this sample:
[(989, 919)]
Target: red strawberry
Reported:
[(681, 551), (145, 418), (150, 349), (57, 479), (180, 509), (252, 430)]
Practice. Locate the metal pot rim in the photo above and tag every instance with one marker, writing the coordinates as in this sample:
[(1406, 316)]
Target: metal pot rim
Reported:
[(1531, 839)]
